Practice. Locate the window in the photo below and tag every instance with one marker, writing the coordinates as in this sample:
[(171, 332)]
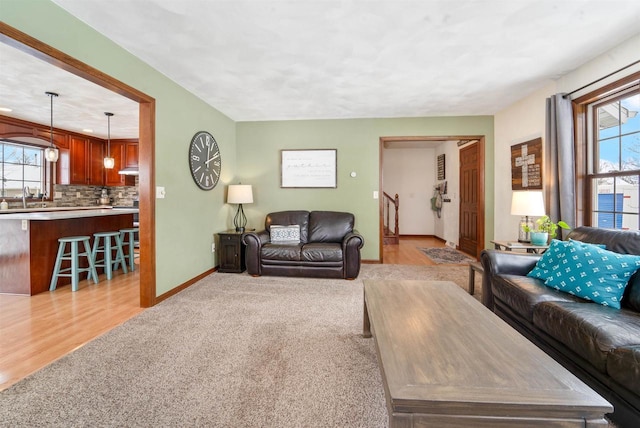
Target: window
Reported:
[(610, 141), (21, 166)]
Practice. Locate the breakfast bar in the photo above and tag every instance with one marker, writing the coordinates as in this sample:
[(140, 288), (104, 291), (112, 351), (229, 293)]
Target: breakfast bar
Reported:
[(29, 241)]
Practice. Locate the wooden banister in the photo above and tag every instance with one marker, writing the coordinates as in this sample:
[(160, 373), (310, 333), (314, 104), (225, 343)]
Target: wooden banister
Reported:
[(391, 237)]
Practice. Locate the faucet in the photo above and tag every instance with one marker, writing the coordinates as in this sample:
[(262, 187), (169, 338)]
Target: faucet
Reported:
[(24, 196)]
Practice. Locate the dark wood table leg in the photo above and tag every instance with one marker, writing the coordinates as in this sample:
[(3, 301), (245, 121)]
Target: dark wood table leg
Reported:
[(366, 325)]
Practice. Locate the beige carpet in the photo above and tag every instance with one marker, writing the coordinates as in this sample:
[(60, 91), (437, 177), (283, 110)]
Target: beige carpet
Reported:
[(230, 351)]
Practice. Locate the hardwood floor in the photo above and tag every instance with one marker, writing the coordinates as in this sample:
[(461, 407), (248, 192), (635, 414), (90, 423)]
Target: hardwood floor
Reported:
[(37, 330), (407, 253)]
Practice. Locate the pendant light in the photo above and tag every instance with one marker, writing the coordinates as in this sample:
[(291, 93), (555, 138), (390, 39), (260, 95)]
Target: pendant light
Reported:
[(51, 152), (109, 162)]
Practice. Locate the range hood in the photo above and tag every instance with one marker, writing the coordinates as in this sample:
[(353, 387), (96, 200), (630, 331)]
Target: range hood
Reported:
[(129, 171)]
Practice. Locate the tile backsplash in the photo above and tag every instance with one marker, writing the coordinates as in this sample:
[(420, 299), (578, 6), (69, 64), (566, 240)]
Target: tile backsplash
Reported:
[(84, 196)]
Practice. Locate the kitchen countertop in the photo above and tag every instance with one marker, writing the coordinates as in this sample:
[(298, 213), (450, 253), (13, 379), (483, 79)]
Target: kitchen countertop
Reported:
[(63, 213)]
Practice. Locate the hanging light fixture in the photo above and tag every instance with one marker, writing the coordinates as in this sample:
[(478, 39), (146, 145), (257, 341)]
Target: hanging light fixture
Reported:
[(109, 162), (51, 152)]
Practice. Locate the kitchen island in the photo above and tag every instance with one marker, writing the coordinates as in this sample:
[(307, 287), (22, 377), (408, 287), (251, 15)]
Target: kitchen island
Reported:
[(29, 242)]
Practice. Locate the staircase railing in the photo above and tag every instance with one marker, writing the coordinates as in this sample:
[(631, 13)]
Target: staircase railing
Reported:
[(391, 215)]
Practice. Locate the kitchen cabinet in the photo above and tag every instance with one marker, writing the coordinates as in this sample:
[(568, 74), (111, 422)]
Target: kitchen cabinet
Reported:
[(86, 161), (125, 155), (131, 154)]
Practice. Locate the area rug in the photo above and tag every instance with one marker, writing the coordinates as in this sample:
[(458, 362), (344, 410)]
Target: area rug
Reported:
[(446, 255), (229, 351)]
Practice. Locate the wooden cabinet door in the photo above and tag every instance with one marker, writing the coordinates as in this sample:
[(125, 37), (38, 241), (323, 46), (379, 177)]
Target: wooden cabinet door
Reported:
[(131, 155), (96, 163), (112, 177), (63, 167), (78, 157)]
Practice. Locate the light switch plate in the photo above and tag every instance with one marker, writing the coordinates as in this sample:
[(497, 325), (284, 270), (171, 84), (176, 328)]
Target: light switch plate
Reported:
[(375, 194), (160, 192)]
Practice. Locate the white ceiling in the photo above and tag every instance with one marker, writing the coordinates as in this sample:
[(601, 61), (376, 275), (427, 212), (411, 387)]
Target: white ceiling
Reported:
[(315, 59), (79, 105)]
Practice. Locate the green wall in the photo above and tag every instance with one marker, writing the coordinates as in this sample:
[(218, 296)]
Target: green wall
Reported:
[(357, 141), (187, 219)]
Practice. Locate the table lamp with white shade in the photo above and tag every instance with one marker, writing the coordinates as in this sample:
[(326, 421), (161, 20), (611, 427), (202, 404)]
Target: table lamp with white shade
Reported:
[(240, 194), (526, 203)]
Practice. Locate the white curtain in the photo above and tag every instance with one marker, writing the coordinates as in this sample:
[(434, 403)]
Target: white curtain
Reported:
[(560, 195)]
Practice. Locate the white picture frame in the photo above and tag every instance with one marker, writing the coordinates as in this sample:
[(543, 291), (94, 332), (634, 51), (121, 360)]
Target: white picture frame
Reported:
[(303, 168)]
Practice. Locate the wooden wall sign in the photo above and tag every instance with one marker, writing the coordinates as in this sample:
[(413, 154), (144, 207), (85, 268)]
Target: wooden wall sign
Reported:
[(441, 167), (526, 165)]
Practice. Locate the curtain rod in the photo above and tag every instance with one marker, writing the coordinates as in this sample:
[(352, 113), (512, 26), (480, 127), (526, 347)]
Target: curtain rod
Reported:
[(600, 79)]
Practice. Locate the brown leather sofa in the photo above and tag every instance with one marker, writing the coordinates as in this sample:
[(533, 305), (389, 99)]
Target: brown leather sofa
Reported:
[(328, 246), (599, 344)]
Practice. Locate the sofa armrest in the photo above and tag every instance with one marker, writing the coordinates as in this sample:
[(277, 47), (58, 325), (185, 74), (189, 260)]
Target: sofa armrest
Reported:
[(253, 242), (495, 262), (351, 245)]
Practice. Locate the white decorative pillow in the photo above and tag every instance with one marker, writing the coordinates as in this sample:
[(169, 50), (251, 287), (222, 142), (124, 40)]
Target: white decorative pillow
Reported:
[(287, 234)]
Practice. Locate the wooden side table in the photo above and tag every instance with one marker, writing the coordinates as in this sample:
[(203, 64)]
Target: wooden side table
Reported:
[(231, 252), (473, 268), (511, 245)]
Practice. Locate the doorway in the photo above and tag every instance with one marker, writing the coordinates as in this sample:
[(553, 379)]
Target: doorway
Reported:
[(471, 231), (32, 46), (448, 230)]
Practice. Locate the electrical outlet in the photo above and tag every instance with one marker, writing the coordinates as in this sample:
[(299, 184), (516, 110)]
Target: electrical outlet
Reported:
[(213, 247), (119, 194), (25, 224), (78, 195)]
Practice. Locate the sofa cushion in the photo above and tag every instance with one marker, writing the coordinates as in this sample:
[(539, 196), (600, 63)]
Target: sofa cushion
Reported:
[(301, 218), (631, 297), (625, 242), (623, 365), (329, 226), (593, 273), (522, 293), (285, 233), (588, 329), (281, 251), (321, 252)]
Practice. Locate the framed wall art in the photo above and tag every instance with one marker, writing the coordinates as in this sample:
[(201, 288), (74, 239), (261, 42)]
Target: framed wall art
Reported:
[(441, 167), (526, 165), (309, 168)]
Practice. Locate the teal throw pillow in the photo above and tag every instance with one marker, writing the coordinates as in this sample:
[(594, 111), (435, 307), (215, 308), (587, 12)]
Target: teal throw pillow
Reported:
[(549, 260), (593, 273)]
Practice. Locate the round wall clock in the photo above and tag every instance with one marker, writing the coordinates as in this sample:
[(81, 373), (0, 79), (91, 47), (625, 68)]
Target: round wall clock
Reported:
[(204, 160)]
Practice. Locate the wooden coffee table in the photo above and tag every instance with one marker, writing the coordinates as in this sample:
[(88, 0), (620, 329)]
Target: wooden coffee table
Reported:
[(446, 360)]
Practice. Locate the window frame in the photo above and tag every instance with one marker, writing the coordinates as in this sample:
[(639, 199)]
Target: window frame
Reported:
[(584, 202), (47, 168)]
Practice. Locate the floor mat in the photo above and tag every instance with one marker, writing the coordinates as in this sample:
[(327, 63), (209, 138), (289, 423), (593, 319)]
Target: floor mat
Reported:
[(446, 255)]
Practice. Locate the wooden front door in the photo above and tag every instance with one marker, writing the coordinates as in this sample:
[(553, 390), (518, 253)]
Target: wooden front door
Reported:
[(470, 200)]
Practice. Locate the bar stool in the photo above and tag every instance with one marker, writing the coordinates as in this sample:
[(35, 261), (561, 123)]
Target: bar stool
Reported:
[(74, 270), (106, 247), (129, 242)]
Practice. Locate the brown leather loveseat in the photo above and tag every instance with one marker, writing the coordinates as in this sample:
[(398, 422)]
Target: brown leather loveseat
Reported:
[(599, 344), (320, 244)]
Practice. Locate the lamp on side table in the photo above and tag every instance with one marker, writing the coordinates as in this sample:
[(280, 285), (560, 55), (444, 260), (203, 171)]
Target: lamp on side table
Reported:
[(526, 203), (240, 194)]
